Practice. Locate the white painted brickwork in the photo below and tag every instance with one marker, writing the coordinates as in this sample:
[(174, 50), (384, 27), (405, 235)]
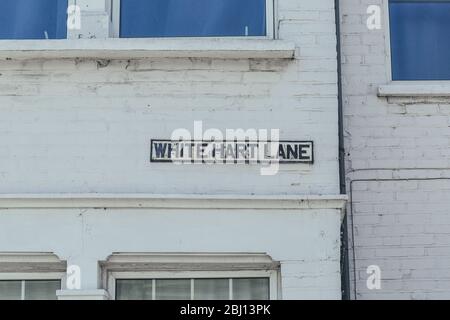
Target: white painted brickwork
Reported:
[(84, 126), (68, 124), (86, 236), (91, 113), (402, 226)]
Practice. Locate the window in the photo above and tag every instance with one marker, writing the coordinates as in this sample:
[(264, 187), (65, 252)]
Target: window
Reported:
[(33, 19), (192, 18), (193, 289), (29, 289), (420, 39), (217, 276), (30, 276)]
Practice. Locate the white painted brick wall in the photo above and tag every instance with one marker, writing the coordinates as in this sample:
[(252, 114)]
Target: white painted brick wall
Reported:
[(85, 236), (402, 226), (406, 234), (81, 126), (69, 123), (84, 126)]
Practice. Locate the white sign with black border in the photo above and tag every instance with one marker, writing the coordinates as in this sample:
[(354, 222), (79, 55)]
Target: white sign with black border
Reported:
[(194, 151)]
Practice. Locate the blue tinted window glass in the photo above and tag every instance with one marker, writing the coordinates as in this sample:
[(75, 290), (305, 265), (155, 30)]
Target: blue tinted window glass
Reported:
[(192, 18), (420, 40), (33, 19)]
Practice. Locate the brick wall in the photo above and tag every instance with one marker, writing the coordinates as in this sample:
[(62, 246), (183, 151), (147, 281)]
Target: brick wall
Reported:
[(401, 221), (84, 126)]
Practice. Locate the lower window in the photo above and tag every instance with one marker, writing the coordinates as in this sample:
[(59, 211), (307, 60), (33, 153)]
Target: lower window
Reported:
[(191, 276), (29, 289), (193, 289)]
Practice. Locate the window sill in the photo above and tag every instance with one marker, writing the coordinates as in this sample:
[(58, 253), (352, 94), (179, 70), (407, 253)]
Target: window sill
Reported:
[(147, 48), (194, 201), (415, 89), (99, 294)]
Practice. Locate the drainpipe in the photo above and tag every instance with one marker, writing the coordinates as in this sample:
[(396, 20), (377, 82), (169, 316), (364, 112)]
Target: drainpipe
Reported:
[(345, 270)]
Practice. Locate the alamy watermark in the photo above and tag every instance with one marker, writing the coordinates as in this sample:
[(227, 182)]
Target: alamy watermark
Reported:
[(373, 21), (73, 277), (373, 281), (212, 146), (73, 17)]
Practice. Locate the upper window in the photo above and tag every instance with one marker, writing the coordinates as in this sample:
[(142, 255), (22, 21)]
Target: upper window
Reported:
[(420, 39), (33, 19), (192, 18)]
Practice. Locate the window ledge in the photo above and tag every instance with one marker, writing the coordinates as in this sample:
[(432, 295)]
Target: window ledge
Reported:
[(193, 201), (147, 48), (99, 294), (415, 89)]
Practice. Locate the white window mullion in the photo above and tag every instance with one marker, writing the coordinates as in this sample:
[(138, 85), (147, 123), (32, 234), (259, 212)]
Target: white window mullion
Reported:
[(115, 18), (114, 11), (231, 288), (192, 289), (22, 291), (153, 289), (270, 19)]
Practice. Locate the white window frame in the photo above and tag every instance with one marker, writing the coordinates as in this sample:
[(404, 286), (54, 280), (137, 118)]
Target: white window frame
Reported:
[(47, 276), (114, 8), (387, 38), (272, 275)]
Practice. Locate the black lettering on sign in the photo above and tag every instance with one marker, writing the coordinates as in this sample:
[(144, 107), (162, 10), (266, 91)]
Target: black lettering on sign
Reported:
[(227, 151)]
